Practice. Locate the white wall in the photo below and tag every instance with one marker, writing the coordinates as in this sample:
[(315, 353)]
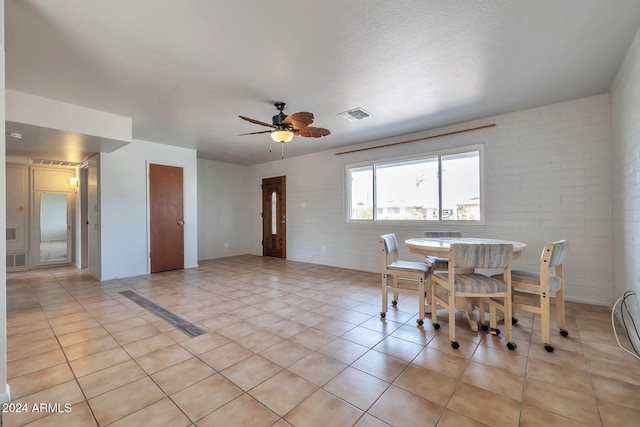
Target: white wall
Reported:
[(4, 387), (123, 196), (625, 188), (223, 209), (547, 177), (49, 113)]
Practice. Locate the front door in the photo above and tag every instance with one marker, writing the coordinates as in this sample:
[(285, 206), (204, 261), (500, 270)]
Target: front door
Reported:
[(274, 227), (166, 221)]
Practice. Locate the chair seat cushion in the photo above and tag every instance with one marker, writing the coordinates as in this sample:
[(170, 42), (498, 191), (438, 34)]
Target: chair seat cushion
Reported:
[(475, 283), (437, 262), (533, 278), (418, 267)]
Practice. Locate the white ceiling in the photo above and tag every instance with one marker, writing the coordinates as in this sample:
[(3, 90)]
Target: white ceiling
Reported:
[(185, 70)]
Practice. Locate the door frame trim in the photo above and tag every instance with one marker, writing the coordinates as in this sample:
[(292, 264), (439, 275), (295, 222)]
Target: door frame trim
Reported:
[(33, 214)]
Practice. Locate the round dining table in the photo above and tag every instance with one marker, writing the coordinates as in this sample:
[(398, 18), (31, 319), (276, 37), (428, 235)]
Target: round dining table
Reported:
[(441, 246)]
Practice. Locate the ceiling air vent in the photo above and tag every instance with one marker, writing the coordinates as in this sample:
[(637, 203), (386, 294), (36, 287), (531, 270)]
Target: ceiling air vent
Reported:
[(46, 162), (355, 114)]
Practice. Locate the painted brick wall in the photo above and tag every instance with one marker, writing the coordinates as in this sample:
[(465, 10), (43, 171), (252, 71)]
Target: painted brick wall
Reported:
[(625, 130), (547, 177)]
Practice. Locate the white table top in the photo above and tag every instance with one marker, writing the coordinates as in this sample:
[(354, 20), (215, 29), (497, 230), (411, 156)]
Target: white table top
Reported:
[(441, 245)]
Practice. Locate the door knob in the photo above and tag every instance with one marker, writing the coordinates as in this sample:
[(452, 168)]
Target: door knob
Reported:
[(180, 222)]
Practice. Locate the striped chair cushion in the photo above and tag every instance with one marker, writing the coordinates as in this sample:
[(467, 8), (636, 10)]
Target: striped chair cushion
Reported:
[(482, 255), (418, 267), (560, 250), (475, 283), (533, 278), (390, 242), (437, 262)]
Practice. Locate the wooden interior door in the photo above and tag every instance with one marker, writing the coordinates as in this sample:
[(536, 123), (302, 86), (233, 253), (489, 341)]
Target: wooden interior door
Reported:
[(274, 226), (166, 221)]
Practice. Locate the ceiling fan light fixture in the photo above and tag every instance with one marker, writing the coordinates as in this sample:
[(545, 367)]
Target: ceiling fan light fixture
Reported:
[(281, 135)]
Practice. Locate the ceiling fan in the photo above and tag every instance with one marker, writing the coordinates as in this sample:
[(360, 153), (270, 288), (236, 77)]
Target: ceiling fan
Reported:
[(284, 128)]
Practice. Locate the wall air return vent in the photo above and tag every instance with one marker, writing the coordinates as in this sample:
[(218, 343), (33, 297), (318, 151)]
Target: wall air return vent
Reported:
[(355, 114), (21, 260), (12, 233), (16, 260), (46, 162)]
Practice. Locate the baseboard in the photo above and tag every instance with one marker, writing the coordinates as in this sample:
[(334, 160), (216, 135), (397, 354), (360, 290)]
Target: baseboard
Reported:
[(587, 301)]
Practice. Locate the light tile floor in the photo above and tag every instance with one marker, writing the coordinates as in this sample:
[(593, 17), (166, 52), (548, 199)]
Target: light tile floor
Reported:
[(289, 343)]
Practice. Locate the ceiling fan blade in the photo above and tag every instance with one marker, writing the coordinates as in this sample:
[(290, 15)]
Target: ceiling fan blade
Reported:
[(299, 120), (312, 132), (255, 133), (258, 122)]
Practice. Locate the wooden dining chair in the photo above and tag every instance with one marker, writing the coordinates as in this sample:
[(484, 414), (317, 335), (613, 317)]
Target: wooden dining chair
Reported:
[(407, 277), (441, 264), (461, 280), (532, 291)]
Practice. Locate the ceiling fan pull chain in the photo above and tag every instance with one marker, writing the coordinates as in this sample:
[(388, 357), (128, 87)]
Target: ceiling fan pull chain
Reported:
[(282, 146), (270, 144)]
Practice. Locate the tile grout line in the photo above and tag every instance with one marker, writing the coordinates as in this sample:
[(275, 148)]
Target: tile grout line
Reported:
[(531, 344), (133, 359), (593, 390), (86, 401)]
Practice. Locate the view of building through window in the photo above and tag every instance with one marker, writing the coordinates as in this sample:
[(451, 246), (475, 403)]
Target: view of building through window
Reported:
[(461, 186), (407, 190), (410, 189)]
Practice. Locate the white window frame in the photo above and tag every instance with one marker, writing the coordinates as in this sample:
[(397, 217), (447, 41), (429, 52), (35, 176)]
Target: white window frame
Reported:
[(439, 153)]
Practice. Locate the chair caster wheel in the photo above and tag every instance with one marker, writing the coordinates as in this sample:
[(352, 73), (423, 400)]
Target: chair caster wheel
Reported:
[(455, 344), (394, 303), (436, 325), (420, 322), (564, 333), (383, 314), (495, 332), (512, 346), (514, 320), (549, 348), (484, 327)]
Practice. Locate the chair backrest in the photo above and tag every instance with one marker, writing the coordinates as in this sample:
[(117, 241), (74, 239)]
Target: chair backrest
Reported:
[(388, 246), (442, 234), (482, 255), (554, 253)]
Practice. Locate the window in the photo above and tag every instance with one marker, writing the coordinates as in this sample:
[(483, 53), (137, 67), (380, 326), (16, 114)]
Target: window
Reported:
[(274, 213), (437, 187), (361, 192)]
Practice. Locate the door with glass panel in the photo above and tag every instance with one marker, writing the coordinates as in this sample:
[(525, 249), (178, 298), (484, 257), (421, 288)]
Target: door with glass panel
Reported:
[(274, 225)]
